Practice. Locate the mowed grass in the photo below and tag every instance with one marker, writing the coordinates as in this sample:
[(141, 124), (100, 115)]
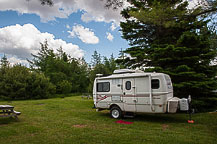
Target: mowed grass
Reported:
[(72, 120)]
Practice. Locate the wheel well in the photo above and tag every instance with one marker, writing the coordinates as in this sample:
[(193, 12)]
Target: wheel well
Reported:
[(114, 105)]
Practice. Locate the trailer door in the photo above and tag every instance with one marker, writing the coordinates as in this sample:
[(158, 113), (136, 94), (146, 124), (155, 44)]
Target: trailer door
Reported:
[(143, 94), (129, 98)]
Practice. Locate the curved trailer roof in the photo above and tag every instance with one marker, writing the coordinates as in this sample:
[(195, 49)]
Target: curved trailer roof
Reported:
[(129, 75)]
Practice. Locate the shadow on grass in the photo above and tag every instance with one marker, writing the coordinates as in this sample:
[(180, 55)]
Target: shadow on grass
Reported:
[(155, 118), (162, 118), (6, 121)]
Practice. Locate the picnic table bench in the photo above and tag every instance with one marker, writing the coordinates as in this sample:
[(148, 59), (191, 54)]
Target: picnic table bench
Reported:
[(8, 111)]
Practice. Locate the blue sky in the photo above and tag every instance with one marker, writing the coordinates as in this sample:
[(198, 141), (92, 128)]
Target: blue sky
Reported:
[(80, 27)]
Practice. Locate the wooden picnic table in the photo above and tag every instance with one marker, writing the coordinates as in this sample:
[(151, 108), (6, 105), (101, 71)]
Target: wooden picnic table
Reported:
[(8, 111)]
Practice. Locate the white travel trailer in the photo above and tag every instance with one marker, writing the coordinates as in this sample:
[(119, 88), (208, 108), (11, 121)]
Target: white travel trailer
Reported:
[(136, 91)]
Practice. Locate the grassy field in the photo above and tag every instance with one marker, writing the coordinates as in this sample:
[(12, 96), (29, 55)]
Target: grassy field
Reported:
[(72, 120)]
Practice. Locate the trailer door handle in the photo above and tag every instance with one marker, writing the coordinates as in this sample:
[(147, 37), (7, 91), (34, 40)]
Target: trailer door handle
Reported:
[(124, 93), (135, 101)]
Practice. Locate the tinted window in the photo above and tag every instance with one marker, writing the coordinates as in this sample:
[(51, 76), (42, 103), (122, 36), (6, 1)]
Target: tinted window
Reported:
[(128, 85), (103, 87), (106, 87), (99, 87), (155, 84)]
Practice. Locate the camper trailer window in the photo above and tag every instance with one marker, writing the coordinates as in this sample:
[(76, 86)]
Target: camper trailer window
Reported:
[(169, 83), (103, 87), (128, 85), (155, 83)]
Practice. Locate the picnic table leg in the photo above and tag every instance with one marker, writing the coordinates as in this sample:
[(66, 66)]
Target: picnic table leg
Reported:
[(16, 117), (4, 112), (15, 114), (7, 112)]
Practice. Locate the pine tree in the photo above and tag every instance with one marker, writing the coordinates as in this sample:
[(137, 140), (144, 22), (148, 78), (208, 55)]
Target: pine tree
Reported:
[(41, 60), (164, 34), (4, 62), (96, 59), (105, 67), (66, 73)]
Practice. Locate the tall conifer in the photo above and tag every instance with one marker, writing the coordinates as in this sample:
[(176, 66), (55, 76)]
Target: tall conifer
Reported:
[(168, 37)]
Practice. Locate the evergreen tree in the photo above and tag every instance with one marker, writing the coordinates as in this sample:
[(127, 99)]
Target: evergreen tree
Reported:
[(164, 34), (96, 67), (105, 67), (66, 73), (110, 64), (45, 2), (43, 58), (113, 64), (122, 60), (18, 82), (4, 62), (96, 59)]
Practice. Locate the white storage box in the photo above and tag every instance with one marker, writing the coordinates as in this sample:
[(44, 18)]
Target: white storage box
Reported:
[(184, 106), (173, 105)]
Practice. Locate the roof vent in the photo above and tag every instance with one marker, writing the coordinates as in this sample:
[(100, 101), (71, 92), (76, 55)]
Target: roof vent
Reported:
[(99, 75), (121, 71)]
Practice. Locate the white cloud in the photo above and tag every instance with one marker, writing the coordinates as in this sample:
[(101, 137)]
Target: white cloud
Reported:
[(14, 60), (96, 11), (113, 26), (58, 10), (86, 35), (93, 10), (197, 3), (110, 37), (67, 26), (20, 41)]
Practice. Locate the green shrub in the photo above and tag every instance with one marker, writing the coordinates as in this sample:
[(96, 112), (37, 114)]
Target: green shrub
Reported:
[(64, 87), (18, 82), (40, 87), (205, 104)]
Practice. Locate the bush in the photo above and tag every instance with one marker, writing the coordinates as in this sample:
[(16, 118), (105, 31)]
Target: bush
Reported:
[(205, 104), (18, 82), (64, 87), (40, 87)]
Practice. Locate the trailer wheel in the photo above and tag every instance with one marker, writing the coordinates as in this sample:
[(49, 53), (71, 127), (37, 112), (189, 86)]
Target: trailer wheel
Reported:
[(116, 112)]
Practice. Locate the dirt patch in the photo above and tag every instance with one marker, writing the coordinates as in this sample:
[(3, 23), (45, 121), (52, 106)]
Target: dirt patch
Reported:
[(165, 126), (79, 126), (2, 125), (105, 111)]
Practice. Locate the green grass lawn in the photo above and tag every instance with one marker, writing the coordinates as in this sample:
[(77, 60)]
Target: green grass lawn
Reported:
[(72, 120)]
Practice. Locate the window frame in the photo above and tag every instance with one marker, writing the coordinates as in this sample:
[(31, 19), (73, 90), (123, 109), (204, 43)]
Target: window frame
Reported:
[(103, 84), (153, 86), (127, 85)]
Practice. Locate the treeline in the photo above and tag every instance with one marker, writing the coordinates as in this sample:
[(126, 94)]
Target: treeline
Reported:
[(51, 73), (19, 82)]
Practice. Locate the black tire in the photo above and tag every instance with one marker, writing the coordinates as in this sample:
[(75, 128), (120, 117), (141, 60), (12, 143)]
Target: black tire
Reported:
[(116, 112)]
